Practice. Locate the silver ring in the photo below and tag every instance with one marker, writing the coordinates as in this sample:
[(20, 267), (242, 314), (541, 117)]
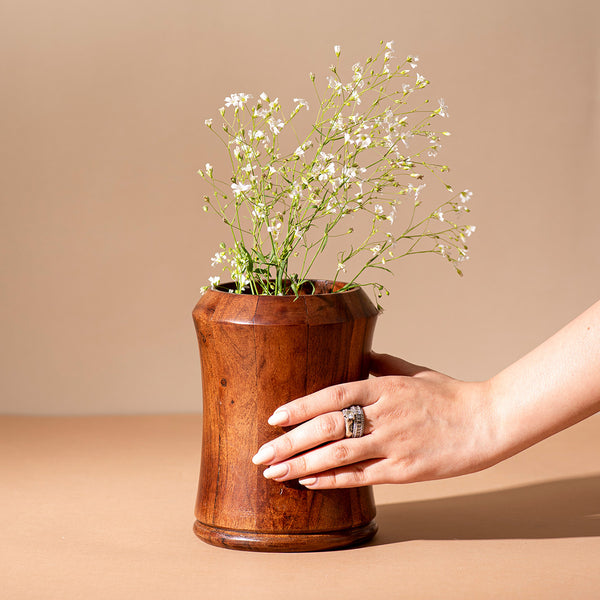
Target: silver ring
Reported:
[(354, 418)]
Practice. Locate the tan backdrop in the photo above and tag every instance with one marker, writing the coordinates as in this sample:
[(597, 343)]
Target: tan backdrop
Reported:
[(104, 246)]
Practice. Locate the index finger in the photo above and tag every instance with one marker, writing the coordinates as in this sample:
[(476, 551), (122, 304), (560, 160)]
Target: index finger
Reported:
[(329, 399)]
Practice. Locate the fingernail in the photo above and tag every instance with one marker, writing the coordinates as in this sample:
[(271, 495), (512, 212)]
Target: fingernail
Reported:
[(276, 471), (264, 455), (307, 481), (279, 417)]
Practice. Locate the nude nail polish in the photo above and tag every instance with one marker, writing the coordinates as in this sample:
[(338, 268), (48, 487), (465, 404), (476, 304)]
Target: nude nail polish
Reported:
[(278, 417), (264, 455), (276, 471)]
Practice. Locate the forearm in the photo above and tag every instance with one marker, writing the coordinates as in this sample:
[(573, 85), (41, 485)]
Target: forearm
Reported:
[(551, 388)]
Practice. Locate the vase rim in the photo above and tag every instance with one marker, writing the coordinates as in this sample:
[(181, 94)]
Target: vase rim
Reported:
[(319, 284)]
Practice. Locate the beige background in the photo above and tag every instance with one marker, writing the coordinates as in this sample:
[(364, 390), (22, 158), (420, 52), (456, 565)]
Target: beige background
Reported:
[(104, 246)]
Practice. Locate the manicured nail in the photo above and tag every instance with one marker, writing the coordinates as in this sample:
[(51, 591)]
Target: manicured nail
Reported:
[(307, 481), (276, 471), (279, 417), (264, 455)]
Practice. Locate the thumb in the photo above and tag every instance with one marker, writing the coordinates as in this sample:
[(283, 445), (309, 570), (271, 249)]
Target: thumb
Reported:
[(386, 364)]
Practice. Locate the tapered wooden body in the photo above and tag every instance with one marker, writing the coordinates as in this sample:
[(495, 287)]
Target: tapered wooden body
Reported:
[(257, 353)]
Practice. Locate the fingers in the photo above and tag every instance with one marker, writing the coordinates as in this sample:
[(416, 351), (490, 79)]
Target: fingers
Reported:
[(368, 472), (324, 428), (325, 458), (386, 364), (321, 429), (327, 400)]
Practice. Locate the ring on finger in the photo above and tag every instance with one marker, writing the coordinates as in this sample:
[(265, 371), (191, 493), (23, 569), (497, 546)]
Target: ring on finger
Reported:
[(354, 419)]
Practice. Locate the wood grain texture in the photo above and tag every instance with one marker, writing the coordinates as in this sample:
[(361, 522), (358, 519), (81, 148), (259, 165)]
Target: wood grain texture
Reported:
[(257, 353)]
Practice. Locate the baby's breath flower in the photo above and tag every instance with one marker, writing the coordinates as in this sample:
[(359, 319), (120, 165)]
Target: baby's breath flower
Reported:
[(276, 125), (237, 100), (240, 188), (465, 196), (301, 102), (412, 60), (274, 228), (421, 81), (443, 109), (217, 259), (357, 164), (214, 281)]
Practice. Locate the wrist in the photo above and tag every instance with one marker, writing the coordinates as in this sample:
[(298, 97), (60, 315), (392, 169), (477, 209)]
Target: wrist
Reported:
[(489, 412)]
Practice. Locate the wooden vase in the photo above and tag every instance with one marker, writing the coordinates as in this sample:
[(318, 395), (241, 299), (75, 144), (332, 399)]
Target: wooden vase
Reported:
[(257, 353)]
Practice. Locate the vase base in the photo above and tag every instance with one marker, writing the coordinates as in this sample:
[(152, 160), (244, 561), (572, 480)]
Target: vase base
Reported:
[(284, 542)]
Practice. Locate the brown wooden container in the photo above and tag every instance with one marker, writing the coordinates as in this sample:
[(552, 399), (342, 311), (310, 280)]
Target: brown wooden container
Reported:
[(257, 353)]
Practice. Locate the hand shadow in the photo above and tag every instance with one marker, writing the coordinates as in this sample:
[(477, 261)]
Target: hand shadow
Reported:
[(553, 509)]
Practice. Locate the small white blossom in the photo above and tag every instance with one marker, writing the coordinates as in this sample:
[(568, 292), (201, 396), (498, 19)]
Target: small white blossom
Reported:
[(217, 259), (337, 50), (259, 210), (209, 169), (338, 123), (416, 190), (469, 230), (335, 84), (443, 109), (208, 122), (257, 135), (363, 141), (354, 97), (301, 102), (237, 100), (465, 196), (276, 125), (349, 172), (412, 60), (438, 214), (378, 209), (240, 188), (274, 227), (214, 281), (462, 255)]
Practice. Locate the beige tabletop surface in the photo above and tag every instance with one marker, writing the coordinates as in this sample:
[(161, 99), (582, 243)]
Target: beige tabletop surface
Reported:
[(101, 507)]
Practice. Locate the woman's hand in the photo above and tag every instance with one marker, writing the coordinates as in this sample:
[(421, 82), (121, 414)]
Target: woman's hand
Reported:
[(419, 425)]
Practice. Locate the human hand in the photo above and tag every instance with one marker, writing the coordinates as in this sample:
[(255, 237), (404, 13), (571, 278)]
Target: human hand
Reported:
[(419, 425)]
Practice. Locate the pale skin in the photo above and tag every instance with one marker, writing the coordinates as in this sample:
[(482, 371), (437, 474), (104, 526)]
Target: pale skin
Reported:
[(422, 425)]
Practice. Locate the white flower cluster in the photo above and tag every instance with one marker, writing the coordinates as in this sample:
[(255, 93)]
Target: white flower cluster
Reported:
[(287, 198)]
